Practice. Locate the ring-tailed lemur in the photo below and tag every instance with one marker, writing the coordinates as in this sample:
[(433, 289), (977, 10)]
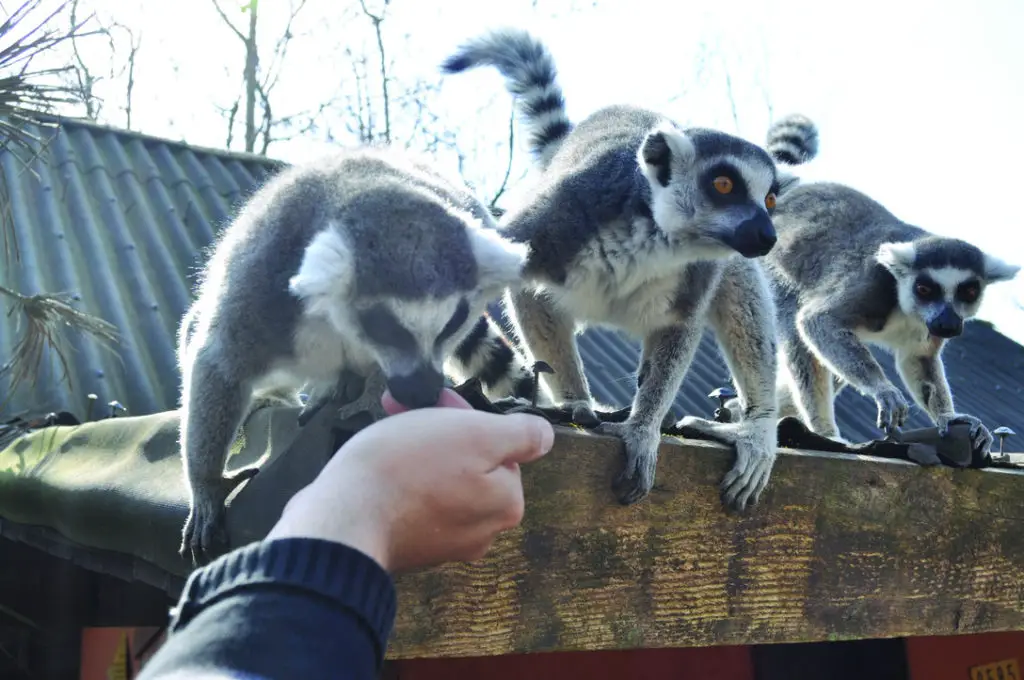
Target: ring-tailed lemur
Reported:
[(642, 225), (848, 273), (368, 262)]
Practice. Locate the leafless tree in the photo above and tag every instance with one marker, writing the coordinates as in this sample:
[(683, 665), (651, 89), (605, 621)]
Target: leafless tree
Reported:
[(259, 82), (25, 90), (722, 76), (381, 106), (123, 44)]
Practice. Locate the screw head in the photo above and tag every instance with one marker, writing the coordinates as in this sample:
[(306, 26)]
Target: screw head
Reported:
[(542, 367)]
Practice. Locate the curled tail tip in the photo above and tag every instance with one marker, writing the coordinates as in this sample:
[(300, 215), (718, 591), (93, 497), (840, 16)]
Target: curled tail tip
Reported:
[(509, 49), (457, 63), (793, 139)]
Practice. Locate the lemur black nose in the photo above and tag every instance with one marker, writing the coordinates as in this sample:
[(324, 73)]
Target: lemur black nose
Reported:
[(755, 237), (419, 389), (948, 324)]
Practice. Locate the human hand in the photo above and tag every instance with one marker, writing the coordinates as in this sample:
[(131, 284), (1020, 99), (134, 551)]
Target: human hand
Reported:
[(423, 487)]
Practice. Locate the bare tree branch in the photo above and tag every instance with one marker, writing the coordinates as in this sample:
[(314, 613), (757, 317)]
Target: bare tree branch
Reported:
[(511, 156), (85, 81), (134, 44), (251, 84), (377, 20), (281, 50), (227, 21), (731, 97)]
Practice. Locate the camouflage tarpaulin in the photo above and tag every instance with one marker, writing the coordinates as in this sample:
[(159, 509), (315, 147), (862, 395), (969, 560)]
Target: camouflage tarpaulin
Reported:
[(118, 485)]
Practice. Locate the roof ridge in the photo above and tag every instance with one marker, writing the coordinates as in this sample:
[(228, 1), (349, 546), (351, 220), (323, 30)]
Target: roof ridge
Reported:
[(73, 121)]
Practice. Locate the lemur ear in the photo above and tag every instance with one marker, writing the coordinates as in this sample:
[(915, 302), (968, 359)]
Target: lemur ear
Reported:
[(898, 258), (997, 270), (500, 262), (663, 146), (326, 270)]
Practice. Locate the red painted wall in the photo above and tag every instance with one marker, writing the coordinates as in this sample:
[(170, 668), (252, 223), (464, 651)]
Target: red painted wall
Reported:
[(100, 647), (950, 658), (708, 663)]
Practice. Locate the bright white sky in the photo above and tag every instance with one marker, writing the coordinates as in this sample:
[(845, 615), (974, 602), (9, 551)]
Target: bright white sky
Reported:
[(919, 103)]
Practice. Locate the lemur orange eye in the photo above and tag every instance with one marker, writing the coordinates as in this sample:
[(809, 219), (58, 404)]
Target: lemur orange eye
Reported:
[(923, 290), (723, 184), (769, 201)]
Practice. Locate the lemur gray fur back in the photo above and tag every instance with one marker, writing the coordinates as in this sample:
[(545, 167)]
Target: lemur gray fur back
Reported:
[(847, 273), (636, 223), (367, 263)]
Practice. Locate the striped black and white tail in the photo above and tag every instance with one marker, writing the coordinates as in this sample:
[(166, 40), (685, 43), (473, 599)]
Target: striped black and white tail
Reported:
[(792, 140), (530, 76), (486, 354)]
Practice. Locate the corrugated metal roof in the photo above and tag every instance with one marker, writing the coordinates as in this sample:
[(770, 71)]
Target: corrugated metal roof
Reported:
[(118, 219), (985, 370), (121, 219)]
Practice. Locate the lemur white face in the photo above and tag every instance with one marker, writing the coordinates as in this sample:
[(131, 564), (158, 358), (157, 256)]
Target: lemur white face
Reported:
[(411, 331), (411, 338), (942, 295), (942, 298), (714, 190)]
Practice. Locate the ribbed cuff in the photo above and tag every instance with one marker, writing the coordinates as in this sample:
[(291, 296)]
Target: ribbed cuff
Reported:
[(344, 575)]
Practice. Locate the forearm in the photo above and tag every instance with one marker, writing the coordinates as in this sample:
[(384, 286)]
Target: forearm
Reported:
[(926, 381), (287, 608)]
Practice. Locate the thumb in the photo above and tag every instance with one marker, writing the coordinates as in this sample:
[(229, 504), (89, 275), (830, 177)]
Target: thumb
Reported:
[(520, 438)]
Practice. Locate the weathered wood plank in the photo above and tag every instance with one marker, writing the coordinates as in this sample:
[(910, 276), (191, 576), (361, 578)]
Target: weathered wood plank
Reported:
[(840, 547)]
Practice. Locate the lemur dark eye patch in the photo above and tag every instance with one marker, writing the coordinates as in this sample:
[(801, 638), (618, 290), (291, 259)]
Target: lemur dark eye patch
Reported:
[(926, 289), (968, 291), (382, 328), (455, 323)]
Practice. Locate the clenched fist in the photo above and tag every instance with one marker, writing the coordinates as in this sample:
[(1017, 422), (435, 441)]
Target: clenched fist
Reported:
[(421, 488)]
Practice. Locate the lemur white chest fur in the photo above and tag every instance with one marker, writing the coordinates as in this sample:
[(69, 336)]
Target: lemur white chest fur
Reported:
[(625, 285), (320, 352), (901, 331)]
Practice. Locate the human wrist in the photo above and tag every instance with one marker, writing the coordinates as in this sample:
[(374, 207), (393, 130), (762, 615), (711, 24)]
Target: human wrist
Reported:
[(358, 533)]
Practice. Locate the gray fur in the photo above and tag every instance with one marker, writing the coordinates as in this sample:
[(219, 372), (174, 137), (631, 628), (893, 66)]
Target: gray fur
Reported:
[(844, 273), (625, 229), (367, 264)]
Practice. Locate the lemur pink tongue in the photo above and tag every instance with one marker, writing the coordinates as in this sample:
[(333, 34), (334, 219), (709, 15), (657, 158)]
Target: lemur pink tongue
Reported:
[(449, 399)]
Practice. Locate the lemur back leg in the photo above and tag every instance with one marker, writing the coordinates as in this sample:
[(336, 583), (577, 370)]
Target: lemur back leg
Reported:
[(549, 334), (811, 387)]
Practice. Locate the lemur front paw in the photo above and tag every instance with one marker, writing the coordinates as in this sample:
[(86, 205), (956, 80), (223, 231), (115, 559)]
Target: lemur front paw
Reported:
[(893, 408), (205, 535), (981, 438), (641, 444), (583, 413), (756, 445)]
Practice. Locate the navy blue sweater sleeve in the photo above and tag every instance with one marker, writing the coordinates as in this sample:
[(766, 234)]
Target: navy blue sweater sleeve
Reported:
[(288, 608)]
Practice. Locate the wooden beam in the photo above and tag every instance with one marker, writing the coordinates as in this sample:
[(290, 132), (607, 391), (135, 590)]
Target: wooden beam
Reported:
[(840, 547)]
